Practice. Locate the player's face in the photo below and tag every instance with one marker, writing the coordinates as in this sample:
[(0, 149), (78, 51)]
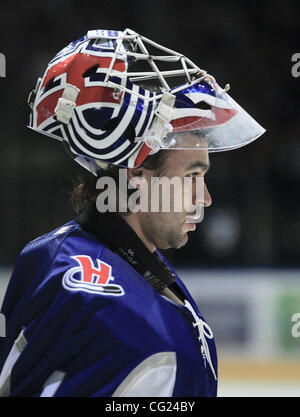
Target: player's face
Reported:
[(169, 229)]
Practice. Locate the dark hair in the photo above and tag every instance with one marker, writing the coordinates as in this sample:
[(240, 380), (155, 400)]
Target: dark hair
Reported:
[(85, 192)]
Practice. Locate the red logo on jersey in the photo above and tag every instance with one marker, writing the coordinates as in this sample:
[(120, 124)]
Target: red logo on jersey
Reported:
[(90, 278)]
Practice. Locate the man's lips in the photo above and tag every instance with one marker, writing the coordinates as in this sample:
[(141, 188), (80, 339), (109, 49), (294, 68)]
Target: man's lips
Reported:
[(192, 226)]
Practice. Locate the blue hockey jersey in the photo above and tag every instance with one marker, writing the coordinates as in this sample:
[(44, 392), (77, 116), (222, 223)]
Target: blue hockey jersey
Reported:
[(81, 321)]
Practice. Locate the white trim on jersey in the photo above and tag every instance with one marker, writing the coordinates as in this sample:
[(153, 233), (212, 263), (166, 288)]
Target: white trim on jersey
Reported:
[(52, 383), (16, 350), (154, 377)]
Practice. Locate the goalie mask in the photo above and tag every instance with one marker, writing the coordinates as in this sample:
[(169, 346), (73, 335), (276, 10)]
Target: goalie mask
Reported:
[(94, 98)]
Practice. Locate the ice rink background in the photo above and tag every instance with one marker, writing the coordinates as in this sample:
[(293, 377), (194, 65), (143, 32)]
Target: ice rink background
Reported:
[(250, 312)]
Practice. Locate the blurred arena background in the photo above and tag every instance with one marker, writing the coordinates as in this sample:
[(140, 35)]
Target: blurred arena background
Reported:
[(243, 262)]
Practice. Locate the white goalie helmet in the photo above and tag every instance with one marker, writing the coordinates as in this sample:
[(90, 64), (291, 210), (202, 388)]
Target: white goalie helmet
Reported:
[(115, 97)]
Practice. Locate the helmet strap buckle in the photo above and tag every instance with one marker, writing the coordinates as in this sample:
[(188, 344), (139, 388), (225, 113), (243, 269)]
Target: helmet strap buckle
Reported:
[(66, 104)]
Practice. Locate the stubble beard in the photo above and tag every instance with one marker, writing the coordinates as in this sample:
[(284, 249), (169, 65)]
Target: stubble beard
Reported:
[(165, 234)]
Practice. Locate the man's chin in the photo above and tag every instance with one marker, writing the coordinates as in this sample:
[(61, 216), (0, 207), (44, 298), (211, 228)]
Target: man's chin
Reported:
[(183, 241), (175, 244)]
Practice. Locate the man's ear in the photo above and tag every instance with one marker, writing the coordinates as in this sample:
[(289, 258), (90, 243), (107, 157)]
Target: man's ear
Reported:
[(135, 172)]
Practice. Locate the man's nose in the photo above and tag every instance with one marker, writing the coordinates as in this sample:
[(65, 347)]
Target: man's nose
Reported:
[(207, 197), (203, 197)]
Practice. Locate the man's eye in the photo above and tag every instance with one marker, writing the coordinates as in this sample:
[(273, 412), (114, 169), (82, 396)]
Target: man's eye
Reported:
[(194, 175)]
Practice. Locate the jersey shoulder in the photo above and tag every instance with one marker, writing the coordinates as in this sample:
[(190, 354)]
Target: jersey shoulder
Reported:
[(70, 259), (69, 276)]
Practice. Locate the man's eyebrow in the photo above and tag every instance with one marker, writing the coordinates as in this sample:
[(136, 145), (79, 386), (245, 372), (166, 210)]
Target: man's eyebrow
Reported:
[(199, 164)]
